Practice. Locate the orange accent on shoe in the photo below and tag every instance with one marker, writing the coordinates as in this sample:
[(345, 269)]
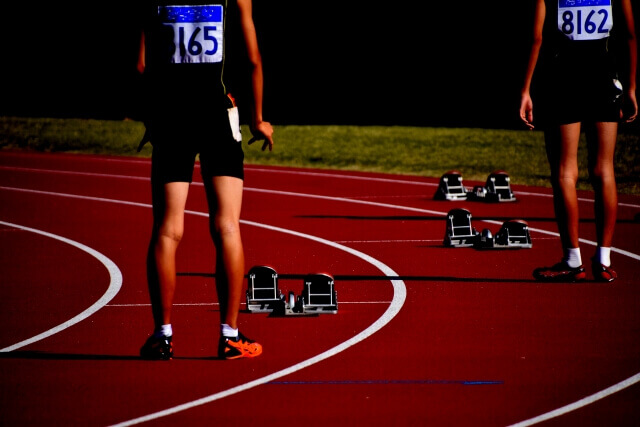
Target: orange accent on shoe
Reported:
[(241, 348)]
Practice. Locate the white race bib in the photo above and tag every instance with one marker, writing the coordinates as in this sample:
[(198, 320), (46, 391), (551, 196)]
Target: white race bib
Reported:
[(197, 32), (585, 19)]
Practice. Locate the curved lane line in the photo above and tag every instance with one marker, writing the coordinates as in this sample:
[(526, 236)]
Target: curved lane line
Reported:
[(114, 287), (399, 296), (316, 196), (303, 173), (552, 414)]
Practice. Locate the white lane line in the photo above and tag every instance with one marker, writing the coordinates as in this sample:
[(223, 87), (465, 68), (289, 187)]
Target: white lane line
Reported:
[(581, 403), (330, 198), (115, 284), (302, 173), (611, 390), (399, 297), (209, 304)]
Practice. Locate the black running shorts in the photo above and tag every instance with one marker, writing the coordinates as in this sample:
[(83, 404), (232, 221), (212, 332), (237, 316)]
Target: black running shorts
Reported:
[(177, 144), (579, 85)]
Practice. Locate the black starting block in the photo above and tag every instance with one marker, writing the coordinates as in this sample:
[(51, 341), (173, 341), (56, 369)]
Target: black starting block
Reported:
[(496, 189), (319, 294), (459, 231), (451, 187), (514, 234), (263, 295)]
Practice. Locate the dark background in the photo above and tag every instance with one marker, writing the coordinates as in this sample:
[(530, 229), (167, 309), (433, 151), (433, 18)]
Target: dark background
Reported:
[(350, 62)]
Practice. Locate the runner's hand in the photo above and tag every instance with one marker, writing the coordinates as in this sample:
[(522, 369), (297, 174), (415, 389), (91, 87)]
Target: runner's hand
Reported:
[(263, 132)]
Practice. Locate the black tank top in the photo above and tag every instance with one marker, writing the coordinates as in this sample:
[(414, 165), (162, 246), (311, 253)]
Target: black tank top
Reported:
[(185, 56)]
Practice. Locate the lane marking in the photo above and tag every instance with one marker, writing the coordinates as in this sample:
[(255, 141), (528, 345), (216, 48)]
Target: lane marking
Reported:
[(311, 196), (389, 382), (580, 403), (568, 408), (398, 299), (115, 284), (319, 174), (207, 304)]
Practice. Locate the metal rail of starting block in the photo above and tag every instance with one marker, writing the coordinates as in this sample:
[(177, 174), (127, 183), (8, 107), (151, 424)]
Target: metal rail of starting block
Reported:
[(264, 296), (459, 231), (319, 294), (499, 187), (514, 234), (496, 189), (262, 291), (451, 187)]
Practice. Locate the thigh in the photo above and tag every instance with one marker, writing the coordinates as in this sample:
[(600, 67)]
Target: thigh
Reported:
[(601, 143), (169, 201), (224, 195)]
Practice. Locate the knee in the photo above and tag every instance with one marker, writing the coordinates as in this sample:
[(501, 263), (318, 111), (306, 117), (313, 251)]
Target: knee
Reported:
[(601, 173), (567, 176), (224, 226), (171, 232)]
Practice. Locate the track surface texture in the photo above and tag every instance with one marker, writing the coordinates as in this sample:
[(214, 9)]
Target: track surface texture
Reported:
[(424, 334)]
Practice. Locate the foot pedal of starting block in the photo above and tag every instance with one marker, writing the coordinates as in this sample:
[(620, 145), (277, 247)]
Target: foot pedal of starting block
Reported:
[(459, 232), (451, 187), (514, 234), (496, 189), (319, 294), (263, 294)]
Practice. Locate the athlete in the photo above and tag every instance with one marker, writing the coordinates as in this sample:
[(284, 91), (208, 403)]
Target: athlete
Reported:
[(580, 90), (185, 53)]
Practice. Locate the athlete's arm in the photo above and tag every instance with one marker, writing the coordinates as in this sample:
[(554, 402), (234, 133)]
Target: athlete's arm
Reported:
[(526, 104), (259, 128), (632, 43), (141, 55)]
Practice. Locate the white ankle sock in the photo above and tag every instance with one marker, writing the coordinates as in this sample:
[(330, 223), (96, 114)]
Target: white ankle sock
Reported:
[(228, 331), (164, 331), (573, 257), (603, 256)]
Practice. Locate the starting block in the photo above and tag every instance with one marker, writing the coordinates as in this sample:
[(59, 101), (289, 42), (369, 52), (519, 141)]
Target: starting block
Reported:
[(451, 187), (496, 189), (459, 232), (514, 234), (264, 296), (263, 293), (319, 294)]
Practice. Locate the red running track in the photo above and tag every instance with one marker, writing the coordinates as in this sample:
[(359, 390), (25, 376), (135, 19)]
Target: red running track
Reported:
[(425, 335)]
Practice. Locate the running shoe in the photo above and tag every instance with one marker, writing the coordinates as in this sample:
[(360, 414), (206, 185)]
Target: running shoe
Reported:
[(240, 346), (560, 272), (602, 273), (157, 348)]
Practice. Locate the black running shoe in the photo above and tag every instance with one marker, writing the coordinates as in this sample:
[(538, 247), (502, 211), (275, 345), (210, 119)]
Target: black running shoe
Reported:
[(235, 348), (561, 272), (157, 348)]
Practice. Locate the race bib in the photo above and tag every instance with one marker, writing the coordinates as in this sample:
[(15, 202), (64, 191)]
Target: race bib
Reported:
[(585, 19), (197, 32)]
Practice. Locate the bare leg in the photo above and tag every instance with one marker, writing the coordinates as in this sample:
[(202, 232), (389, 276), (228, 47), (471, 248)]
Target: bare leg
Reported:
[(602, 142), (169, 202), (562, 152), (224, 195)]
